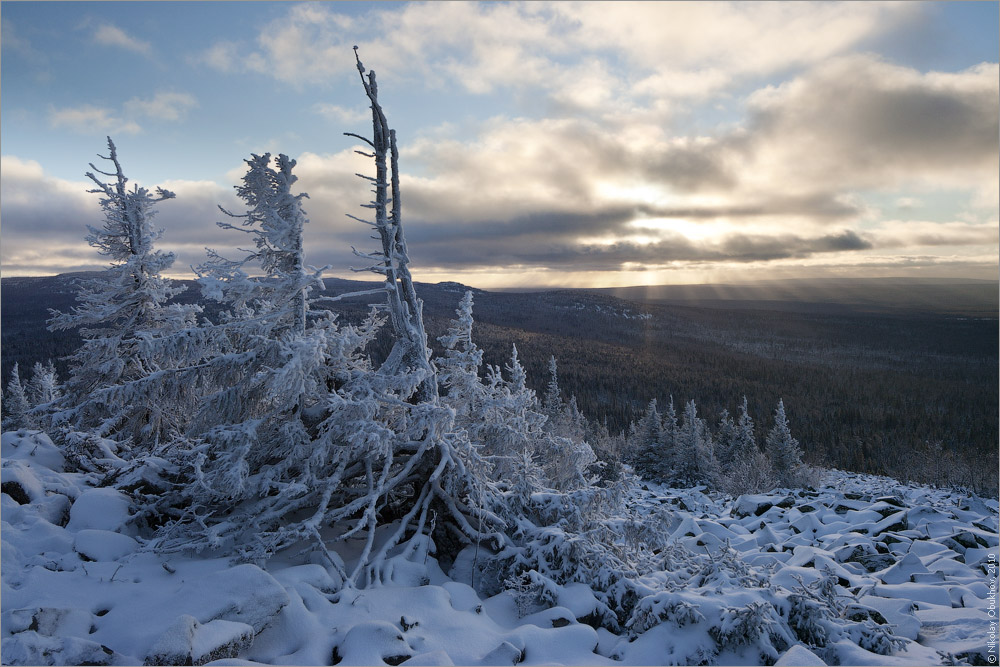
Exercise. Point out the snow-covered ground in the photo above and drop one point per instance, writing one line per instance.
(79, 586)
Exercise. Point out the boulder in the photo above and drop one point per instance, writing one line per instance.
(242, 594)
(48, 621)
(188, 642)
(751, 505)
(32, 648)
(904, 570)
(373, 643)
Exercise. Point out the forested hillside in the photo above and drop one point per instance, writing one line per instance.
(873, 388)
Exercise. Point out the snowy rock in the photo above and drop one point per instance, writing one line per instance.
(890, 500)
(244, 594)
(810, 525)
(188, 642)
(54, 508)
(975, 557)
(892, 522)
(751, 505)
(903, 570)
(373, 643)
(430, 659)
(799, 656)
(31, 446)
(32, 648)
(505, 654)
(103, 545)
(100, 509)
(48, 621)
(19, 482)
(899, 613)
(920, 593)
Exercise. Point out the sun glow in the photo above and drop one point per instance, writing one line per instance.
(694, 231)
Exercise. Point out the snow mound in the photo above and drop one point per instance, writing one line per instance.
(99, 509)
(34, 447)
(103, 545)
(188, 642)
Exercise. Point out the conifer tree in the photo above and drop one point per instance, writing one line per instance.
(458, 368)
(118, 311)
(648, 444)
(695, 461)
(725, 440)
(15, 403)
(43, 388)
(553, 402)
(783, 450)
(747, 469)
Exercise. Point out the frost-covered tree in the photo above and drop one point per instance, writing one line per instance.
(43, 388)
(118, 311)
(302, 431)
(458, 368)
(264, 372)
(275, 221)
(647, 444)
(695, 461)
(410, 352)
(783, 450)
(746, 468)
(15, 403)
(553, 401)
(725, 439)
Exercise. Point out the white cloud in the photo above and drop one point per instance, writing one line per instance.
(860, 123)
(163, 106)
(91, 119)
(684, 49)
(111, 35)
(342, 115)
(223, 56)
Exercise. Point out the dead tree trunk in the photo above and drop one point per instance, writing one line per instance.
(410, 350)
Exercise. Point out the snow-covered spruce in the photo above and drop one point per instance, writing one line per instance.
(118, 311)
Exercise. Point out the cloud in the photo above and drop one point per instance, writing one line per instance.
(919, 233)
(111, 35)
(87, 119)
(560, 254)
(170, 106)
(223, 56)
(686, 49)
(90, 119)
(37, 205)
(859, 122)
(342, 115)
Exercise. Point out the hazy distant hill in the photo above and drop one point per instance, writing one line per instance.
(888, 295)
(870, 370)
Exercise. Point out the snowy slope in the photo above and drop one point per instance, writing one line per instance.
(80, 586)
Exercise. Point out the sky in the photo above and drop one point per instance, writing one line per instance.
(541, 144)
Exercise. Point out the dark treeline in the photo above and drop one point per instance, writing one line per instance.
(910, 395)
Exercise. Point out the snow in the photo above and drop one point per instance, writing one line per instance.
(103, 545)
(799, 656)
(36, 447)
(99, 509)
(188, 642)
(79, 585)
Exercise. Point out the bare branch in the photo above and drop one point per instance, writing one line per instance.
(358, 136)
